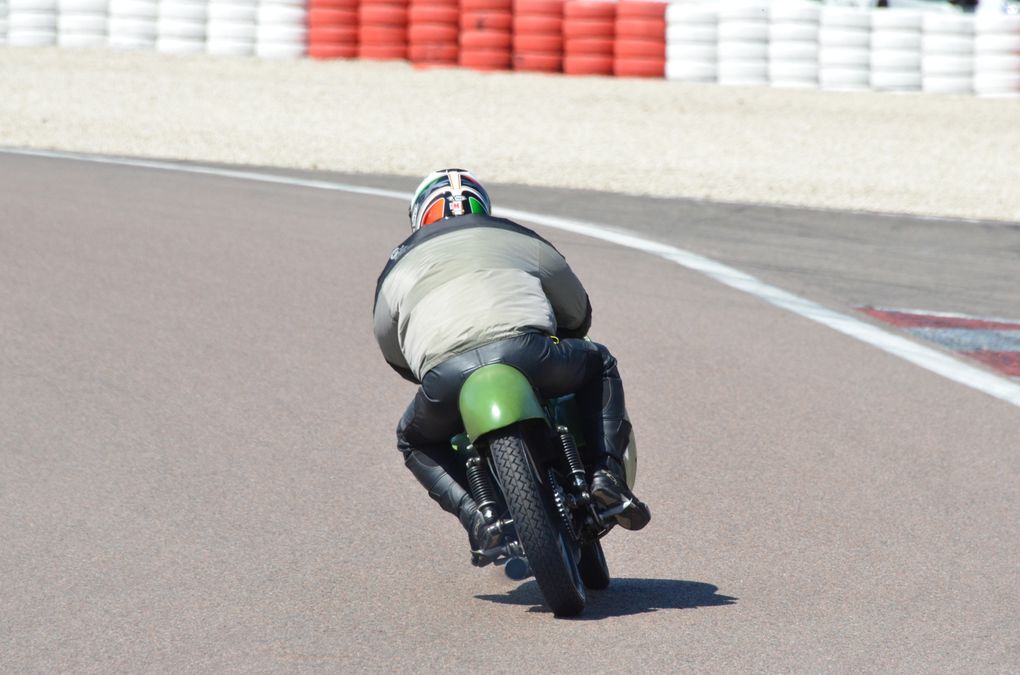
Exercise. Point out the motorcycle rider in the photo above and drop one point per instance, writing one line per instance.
(466, 290)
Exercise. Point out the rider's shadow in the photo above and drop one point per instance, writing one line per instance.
(625, 596)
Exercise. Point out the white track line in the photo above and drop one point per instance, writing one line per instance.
(918, 354)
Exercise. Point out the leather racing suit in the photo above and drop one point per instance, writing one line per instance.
(474, 290)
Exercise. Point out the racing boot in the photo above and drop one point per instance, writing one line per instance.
(484, 534)
(609, 489)
(483, 529)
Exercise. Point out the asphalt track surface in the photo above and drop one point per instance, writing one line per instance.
(197, 468)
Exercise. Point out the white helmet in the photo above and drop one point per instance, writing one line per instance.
(445, 194)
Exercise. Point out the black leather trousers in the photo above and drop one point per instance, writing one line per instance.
(584, 368)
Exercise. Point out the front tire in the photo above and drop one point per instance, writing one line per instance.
(549, 550)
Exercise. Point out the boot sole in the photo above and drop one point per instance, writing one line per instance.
(634, 517)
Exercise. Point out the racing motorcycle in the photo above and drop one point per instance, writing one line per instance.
(525, 471)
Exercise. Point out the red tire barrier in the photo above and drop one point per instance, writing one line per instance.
(486, 21)
(447, 15)
(382, 29)
(640, 49)
(382, 52)
(333, 36)
(332, 51)
(588, 46)
(332, 29)
(382, 35)
(587, 64)
(485, 39)
(328, 16)
(589, 9)
(350, 5)
(639, 9)
(433, 53)
(642, 29)
(486, 5)
(538, 35)
(382, 15)
(542, 44)
(588, 28)
(538, 8)
(637, 67)
(543, 24)
(538, 63)
(433, 32)
(485, 59)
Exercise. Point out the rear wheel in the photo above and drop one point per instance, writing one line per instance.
(548, 549)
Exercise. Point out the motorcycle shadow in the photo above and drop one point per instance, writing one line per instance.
(624, 596)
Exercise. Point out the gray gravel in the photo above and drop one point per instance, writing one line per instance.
(919, 154)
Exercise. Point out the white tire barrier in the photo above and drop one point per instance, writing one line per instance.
(281, 29)
(895, 50)
(82, 23)
(996, 47)
(30, 23)
(235, 11)
(947, 53)
(181, 26)
(132, 24)
(692, 49)
(793, 44)
(231, 28)
(844, 39)
(45, 6)
(743, 44)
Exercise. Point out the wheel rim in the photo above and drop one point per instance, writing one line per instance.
(570, 561)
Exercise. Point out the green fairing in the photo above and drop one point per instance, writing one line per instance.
(494, 397)
(475, 205)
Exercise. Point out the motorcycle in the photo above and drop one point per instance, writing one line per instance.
(525, 472)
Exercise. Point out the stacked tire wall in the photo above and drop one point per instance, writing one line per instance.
(81, 23)
(332, 29)
(639, 45)
(588, 31)
(896, 51)
(781, 43)
(538, 35)
(692, 37)
(486, 34)
(997, 55)
(31, 23)
(382, 30)
(433, 32)
(947, 54)
(793, 45)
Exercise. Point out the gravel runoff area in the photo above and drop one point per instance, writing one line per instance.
(920, 154)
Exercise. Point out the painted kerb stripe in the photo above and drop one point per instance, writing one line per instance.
(918, 354)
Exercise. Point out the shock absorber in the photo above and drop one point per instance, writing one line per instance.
(573, 458)
(481, 486)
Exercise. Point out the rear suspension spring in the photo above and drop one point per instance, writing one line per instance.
(481, 485)
(572, 454)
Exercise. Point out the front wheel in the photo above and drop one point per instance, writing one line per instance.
(547, 547)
